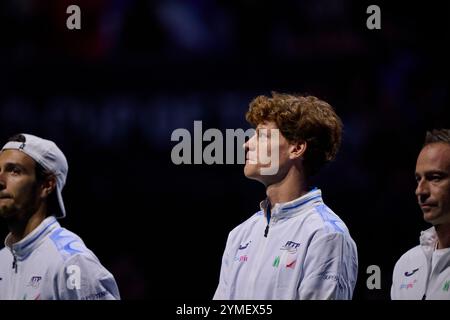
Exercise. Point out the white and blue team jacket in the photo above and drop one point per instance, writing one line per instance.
(52, 263)
(422, 272)
(301, 250)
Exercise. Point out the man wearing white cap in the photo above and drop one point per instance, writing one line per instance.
(41, 260)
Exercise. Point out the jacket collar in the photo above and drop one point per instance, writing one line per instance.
(428, 238)
(23, 248)
(294, 207)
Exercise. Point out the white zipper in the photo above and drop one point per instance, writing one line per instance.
(261, 250)
(14, 276)
(431, 274)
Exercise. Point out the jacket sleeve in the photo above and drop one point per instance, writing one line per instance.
(223, 289)
(330, 268)
(84, 278)
(394, 285)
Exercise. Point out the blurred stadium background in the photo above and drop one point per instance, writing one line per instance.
(111, 94)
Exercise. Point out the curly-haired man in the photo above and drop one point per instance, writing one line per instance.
(295, 247)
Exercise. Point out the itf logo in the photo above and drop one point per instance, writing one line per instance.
(35, 282)
(290, 246)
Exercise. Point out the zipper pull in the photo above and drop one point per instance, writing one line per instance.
(14, 264)
(269, 215)
(266, 231)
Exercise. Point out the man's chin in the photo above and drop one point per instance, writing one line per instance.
(251, 175)
(252, 172)
(432, 217)
(6, 212)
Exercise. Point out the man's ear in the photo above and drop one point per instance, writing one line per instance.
(48, 185)
(297, 150)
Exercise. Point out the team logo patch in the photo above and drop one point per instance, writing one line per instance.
(290, 247)
(35, 282)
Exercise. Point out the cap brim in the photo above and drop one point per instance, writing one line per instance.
(62, 210)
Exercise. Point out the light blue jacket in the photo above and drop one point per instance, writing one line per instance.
(52, 263)
(304, 252)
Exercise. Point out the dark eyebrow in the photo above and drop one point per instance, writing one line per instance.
(436, 172)
(432, 172)
(10, 165)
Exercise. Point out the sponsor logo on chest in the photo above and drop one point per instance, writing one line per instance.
(291, 247)
(35, 282)
(408, 284)
(242, 258)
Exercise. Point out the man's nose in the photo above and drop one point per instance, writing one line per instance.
(2, 182)
(249, 144)
(422, 190)
(245, 146)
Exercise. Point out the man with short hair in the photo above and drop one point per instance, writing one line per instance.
(41, 260)
(295, 247)
(424, 271)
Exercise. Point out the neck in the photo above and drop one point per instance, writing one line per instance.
(443, 234)
(291, 187)
(20, 228)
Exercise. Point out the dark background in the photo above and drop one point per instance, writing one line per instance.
(111, 94)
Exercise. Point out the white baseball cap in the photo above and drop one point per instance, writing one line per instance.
(50, 157)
